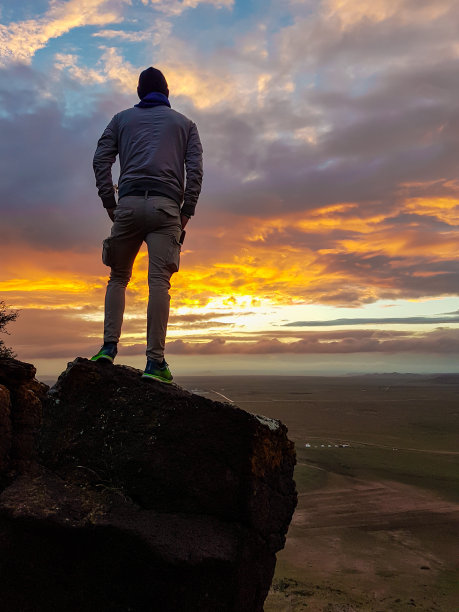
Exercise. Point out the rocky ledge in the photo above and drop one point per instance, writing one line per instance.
(143, 497)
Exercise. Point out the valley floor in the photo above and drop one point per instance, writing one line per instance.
(377, 522)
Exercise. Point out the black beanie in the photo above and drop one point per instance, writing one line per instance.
(150, 80)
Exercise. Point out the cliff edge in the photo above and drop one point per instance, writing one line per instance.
(143, 497)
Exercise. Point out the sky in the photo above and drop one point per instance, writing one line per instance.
(326, 236)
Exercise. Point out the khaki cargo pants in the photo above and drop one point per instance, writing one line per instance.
(155, 220)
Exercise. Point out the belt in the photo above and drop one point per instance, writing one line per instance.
(142, 192)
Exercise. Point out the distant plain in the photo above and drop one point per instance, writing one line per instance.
(377, 522)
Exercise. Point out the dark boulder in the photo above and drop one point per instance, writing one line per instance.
(147, 498)
(5, 429)
(21, 397)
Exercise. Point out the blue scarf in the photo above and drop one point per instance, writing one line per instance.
(154, 98)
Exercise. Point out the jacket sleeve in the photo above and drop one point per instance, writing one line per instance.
(104, 158)
(193, 167)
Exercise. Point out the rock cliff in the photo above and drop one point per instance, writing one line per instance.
(145, 497)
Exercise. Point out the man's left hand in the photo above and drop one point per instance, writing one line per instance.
(111, 213)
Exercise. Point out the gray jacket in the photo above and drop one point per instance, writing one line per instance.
(155, 146)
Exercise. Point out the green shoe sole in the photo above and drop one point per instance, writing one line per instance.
(163, 380)
(105, 357)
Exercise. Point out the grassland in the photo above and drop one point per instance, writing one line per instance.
(377, 522)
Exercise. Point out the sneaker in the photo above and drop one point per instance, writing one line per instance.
(159, 371)
(108, 351)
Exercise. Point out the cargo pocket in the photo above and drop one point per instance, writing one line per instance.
(173, 255)
(107, 251)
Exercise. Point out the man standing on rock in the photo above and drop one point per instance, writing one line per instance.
(155, 145)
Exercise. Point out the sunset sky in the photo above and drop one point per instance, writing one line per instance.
(326, 236)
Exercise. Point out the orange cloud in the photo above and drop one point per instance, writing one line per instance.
(315, 256)
(36, 278)
(445, 209)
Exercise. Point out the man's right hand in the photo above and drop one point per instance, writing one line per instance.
(111, 213)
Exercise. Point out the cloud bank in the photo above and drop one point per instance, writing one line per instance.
(329, 130)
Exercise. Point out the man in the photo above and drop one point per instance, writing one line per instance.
(155, 145)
